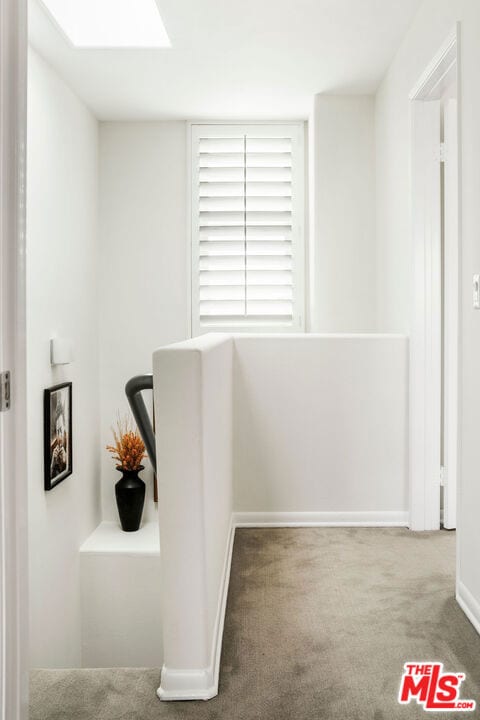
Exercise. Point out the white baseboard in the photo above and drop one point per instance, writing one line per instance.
(469, 605)
(187, 684)
(387, 518)
(202, 684)
(222, 607)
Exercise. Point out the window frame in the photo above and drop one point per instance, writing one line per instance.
(296, 131)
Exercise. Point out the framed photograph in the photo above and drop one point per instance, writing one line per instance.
(57, 408)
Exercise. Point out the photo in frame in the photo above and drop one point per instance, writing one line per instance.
(57, 409)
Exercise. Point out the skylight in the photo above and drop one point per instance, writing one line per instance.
(109, 23)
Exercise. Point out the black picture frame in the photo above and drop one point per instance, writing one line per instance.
(57, 434)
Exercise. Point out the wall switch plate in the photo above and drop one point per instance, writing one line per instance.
(60, 351)
(476, 292)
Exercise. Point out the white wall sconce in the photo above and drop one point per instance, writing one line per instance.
(60, 351)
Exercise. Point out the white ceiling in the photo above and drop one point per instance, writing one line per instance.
(244, 59)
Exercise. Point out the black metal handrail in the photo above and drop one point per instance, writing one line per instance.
(133, 390)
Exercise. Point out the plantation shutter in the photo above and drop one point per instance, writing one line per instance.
(247, 213)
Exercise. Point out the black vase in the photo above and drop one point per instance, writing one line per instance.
(130, 495)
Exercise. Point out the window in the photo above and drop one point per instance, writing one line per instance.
(109, 23)
(247, 227)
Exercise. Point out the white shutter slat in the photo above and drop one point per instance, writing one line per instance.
(233, 247)
(221, 145)
(268, 145)
(267, 308)
(253, 233)
(266, 204)
(226, 277)
(255, 292)
(269, 218)
(217, 308)
(218, 262)
(221, 189)
(269, 189)
(221, 174)
(269, 160)
(269, 174)
(270, 292)
(269, 233)
(221, 247)
(239, 203)
(262, 308)
(221, 160)
(222, 219)
(222, 292)
(221, 233)
(225, 174)
(269, 262)
(214, 204)
(270, 277)
(237, 277)
(249, 262)
(269, 247)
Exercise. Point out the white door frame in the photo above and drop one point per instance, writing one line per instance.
(13, 476)
(425, 339)
(451, 314)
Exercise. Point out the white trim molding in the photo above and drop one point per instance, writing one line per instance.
(426, 324)
(387, 518)
(469, 605)
(437, 69)
(13, 475)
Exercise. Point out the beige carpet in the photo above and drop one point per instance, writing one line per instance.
(319, 623)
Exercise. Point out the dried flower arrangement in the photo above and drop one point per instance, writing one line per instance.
(128, 449)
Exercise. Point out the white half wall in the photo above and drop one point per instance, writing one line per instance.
(320, 426)
(143, 267)
(281, 429)
(193, 412)
(342, 246)
(433, 23)
(62, 300)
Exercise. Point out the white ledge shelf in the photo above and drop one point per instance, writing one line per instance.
(121, 597)
(109, 539)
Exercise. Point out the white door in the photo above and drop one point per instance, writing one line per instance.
(451, 314)
(13, 555)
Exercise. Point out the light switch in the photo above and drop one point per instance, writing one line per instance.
(60, 351)
(476, 292)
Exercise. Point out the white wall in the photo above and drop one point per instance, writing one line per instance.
(342, 277)
(62, 299)
(392, 134)
(434, 21)
(143, 265)
(320, 424)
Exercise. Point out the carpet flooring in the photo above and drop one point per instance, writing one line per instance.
(319, 624)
